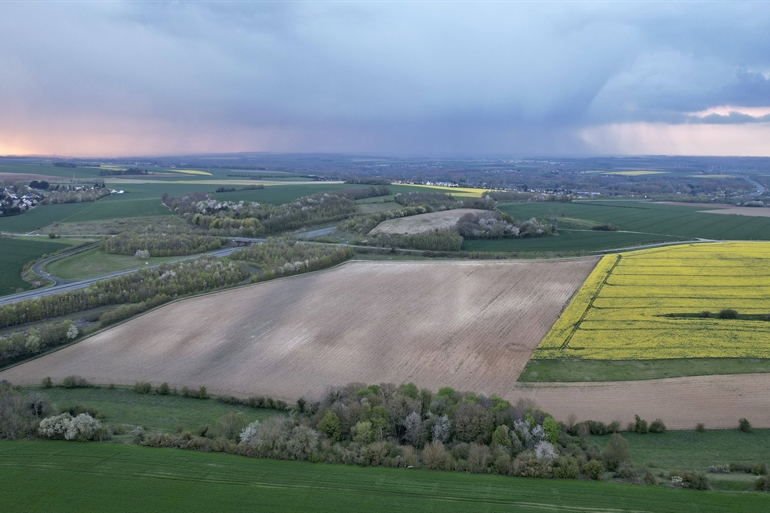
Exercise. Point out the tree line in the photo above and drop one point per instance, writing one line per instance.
(435, 240)
(169, 280)
(277, 257)
(251, 219)
(160, 244)
(76, 194)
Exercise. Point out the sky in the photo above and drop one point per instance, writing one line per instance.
(430, 78)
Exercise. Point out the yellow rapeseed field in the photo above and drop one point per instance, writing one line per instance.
(624, 309)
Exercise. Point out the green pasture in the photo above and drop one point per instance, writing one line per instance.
(650, 218)
(57, 174)
(96, 262)
(14, 253)
(691, 450)
(165, 413)
(68, 476)
(630, 370)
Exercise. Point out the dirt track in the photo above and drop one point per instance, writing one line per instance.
(717, 401)
(469, 325)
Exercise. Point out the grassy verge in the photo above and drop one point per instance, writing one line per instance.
(106, 477)
(164, 413)
(14, 253)
(633, 370)
(96, 262)
(692, 450)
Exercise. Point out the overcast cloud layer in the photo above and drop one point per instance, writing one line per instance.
(426, 78)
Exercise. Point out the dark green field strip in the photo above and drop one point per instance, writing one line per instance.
(66, 476)
(681, 221)
(567, 241)
(57, 174)
(634, 370)
(693, 450)
(279, 194)
(14, 253)
(40, 217)
(157, 412)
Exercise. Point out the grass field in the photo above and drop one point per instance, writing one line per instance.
(647, 304)
(14, 253)
(568, 242)
(691, 450)
(631, 370)
(651, 218)
(638, 223)
(101, 477)
(96, 262)
(156, 412)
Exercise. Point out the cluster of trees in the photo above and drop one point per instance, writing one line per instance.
(119, 172)
(496, 225)
(527, 196)
(407, 427)
(160, 244)
(368, 180)
(41, 185)
(443, 201)
(76, 194)
(159, 283)
(278, 257)
(435, 240)
(23, 344)
(252, 219)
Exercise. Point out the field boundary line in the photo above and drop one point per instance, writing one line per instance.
(590, 304)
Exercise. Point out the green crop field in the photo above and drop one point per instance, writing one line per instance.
(691, 450)
(567, 241)
(14, 253)
(651, 218)
(67, 476)
(121, 405)
(638, 223)
(57, 174)
(279, 194)
(96, 262)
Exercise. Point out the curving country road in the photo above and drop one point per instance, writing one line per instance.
(66, 286)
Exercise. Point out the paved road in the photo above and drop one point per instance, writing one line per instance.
(66, 286)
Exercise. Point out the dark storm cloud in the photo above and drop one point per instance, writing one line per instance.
(422, 77)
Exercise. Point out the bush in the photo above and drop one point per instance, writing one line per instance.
(594, 469)
(202, 393)
(705, 314)
(66, 427)
(47, 383)
(142, 387)
(762, 484)
(565, 467)
(760, 469)
(626, 471)
(75, 382)
(693, 480)
(700, 427)
(744, 425)
(163, 389)
(435, 456)
(640, 426)
(616, 452)
(657, 426)
(728, 313)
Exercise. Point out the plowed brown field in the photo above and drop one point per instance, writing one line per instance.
(469, 325)
(717, 401)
